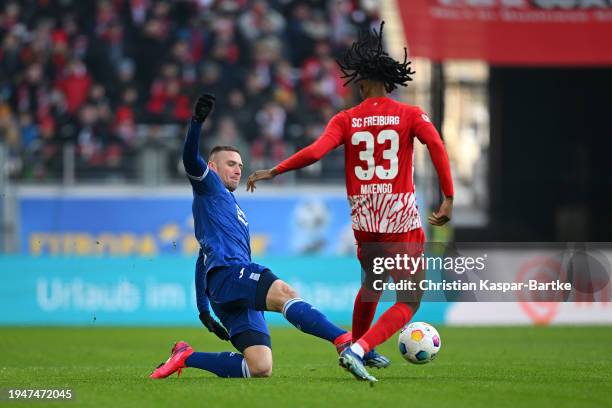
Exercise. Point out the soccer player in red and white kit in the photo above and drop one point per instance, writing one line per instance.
(378, 137)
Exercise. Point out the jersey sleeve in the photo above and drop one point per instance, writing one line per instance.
(207, 183)
(202, 300)
(332, 137)
(202, 179)
(427, 134)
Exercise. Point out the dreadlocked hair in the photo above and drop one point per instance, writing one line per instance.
(366, 59)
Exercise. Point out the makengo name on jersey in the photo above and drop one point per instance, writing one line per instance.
(375, 121)
(386, 188)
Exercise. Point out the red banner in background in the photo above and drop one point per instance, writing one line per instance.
(510, 32)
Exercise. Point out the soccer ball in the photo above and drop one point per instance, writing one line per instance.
(419, 342)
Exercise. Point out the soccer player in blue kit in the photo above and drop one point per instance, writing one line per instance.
(237, 289)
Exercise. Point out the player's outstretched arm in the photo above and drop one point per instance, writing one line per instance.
(329, 140)
(431, 138)
(193, 162)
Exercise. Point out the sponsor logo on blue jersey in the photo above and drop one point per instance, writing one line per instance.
(241, 216)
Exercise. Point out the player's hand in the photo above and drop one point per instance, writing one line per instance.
(203, 106)
(444, 214)
(214, 326)
(259, 175)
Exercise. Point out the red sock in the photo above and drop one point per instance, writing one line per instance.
(343, 338)
(390, 322)
(364, 311)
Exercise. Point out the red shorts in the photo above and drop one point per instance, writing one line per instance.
(372, 245)
(415, 236)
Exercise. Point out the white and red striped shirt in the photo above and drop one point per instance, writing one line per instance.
(378, 136)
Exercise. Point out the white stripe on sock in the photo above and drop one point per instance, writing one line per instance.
(357, 349)
(289, 303)
(245, 369)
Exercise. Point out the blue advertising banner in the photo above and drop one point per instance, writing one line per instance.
(145, 226)
(151, 224)
(159, 290)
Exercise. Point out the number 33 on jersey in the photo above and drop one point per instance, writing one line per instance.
(378, 137)
(379, 165)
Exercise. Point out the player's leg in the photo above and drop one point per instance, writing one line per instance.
(363, 315)
(249, 335)
(365, 304)
(224, 364)
(397, 315)
(255, 359)
(364, 310)
(366, 300)
(259, 361)
(255, 287)
(282, 298)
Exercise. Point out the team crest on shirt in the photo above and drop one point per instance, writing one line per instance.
(241, 216)
(425, 117)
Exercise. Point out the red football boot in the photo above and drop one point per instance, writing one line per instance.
(176, 362)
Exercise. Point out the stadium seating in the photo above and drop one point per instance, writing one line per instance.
(104, 88)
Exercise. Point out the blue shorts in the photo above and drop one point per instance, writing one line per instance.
(237, 295)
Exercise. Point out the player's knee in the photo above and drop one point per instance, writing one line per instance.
(289, 292)
(260, 369)
(279, 293)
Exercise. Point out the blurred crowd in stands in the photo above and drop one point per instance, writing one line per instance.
(112, 78)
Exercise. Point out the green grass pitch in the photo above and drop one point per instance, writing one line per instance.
(477, 367)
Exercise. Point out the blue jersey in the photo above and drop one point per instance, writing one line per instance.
(221, 227)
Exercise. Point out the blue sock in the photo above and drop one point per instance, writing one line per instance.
(309, 320)
(230, 365)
